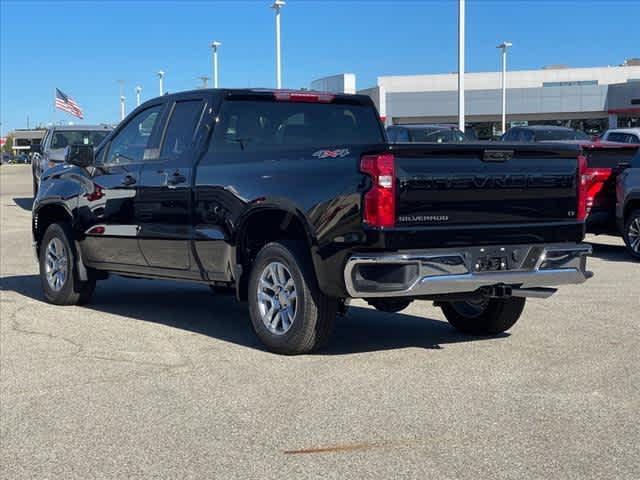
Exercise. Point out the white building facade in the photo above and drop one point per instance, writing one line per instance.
(590, 99)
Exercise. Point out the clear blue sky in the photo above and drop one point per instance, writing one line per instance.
(83, 47)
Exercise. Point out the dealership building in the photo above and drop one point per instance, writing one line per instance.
(590, 99)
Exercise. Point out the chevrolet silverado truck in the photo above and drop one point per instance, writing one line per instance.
(295, 201)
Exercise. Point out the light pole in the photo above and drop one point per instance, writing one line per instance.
(461, 65)
(161, 81)
(504, 46)
(204, 80)
(138, 92)
(214, 60)
(277, 6)
(122, 99)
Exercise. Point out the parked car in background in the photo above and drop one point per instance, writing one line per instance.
(628, 204)
(295, 201)
(23, 158)
(421, 133)
(622, 135)
(543, 133)
(51, 150)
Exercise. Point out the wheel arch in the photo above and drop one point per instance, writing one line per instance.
(45, 215)
(633, 203)
(263, 225)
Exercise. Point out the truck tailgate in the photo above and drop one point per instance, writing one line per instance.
(490, 184)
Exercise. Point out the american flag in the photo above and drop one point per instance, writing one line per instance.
(68, 104)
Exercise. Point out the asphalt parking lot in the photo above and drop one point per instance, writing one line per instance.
(165, 380)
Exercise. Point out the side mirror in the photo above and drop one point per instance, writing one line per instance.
(79, 154)
(36, 148)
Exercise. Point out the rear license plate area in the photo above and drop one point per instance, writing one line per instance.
(490, 263)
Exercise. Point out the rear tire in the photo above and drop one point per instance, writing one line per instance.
(58, 272)
(289, 313)
(490, 317)
(631, 234)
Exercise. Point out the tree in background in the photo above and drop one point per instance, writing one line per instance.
(8, 146)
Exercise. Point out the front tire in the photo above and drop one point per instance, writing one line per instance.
(58, 275)
(289, 313)
(486, 317)
(631, 234)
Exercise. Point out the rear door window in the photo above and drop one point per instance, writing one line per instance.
(181, 128)
(254, 126)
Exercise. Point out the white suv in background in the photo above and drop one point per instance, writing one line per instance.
(622, 135)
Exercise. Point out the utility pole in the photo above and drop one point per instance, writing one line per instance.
(138, 92)
(504, 46)
(204, 80)
(214, 60)
(461, 21)
(277, 6)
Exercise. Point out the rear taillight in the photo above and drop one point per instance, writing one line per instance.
(583, 185)
(379, 208)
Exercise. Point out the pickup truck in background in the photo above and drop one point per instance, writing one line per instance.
(51, 150)
(295, 201)
(606, 161)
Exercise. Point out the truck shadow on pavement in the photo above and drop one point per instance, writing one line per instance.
(611, 253)
(195, 309)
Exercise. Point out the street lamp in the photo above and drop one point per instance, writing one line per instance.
(504, 46)
(277, 6)
(214, 59)
(161, 80)
(138, 92)
(122, 99)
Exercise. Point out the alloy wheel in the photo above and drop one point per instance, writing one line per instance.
(633, 234)
(56, 264)
(277, 298)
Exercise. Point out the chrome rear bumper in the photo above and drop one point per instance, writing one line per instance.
(459, 270)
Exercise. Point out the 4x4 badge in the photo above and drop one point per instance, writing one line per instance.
(341, 152)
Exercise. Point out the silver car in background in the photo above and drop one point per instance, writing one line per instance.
(51, 150)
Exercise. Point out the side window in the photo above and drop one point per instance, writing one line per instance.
(130, 143)
(181, 128)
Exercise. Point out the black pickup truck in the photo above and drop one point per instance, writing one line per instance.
(295, 201)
